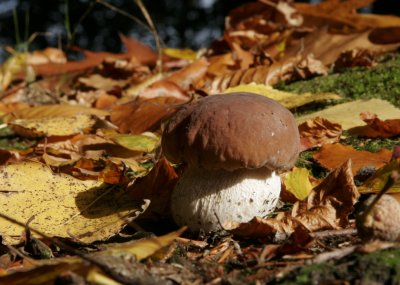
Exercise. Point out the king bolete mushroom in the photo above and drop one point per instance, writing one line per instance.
(234, 146)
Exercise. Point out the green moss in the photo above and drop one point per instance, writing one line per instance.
(381, 81)
(370, 144)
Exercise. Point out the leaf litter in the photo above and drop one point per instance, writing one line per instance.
(94, 174)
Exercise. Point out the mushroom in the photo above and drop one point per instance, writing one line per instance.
(234, 146)
(382, 221)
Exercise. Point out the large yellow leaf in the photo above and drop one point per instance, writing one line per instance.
(61, 205)
(348, 114)
(289, 100)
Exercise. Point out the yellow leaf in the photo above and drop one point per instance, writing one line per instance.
(348, 114)
(55, 126)
(376, 182)
(288, 100)
(142, 143)
(185, 53)
(61, 205)
(297, 182)
(144, 248)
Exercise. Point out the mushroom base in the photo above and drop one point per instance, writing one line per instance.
(208, 199)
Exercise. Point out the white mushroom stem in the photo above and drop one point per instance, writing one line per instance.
(207, 199)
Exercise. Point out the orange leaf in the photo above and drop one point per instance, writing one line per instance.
(142, 115)
(331, 156)
(376, 127)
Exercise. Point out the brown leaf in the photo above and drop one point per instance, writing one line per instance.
(335, 196)
(141, 52)
(342, 15)
(331, 156)
(285, 70)
(141, 115)
(156, 186)
(317, 132)
(327, 46)
(376, 127)
(164, 88)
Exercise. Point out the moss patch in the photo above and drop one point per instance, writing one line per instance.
(381, 81)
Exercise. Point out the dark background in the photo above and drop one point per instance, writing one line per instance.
(192, 23)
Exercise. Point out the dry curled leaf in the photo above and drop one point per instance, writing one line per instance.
(376, 127)
(331, 156)
(317, 132)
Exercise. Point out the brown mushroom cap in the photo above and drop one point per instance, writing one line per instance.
(232, 131)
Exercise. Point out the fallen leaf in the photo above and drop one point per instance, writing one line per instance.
(61, 205)
(346, 114)
(282, 70)
(97, 81)
(287, 99)
(55, 126)
(376, 182)
(141, 143)
(337, 192)
(318, 132)
(46, 271)
(185, 53)
(50, 111)
(141, 115)
(298, 183)
(157, 187)
(376, 127)
(144, 248)
(327, 46)
(331, 156)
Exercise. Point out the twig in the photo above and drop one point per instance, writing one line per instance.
(153, 30)
(333, 233)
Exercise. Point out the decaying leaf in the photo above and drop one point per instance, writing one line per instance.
(55, 126)
(346, 114)
(60, 205)
(376, 127)
(327, 207)
(298, 183)
(317, 132)
(376, 182)
(331, 156)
